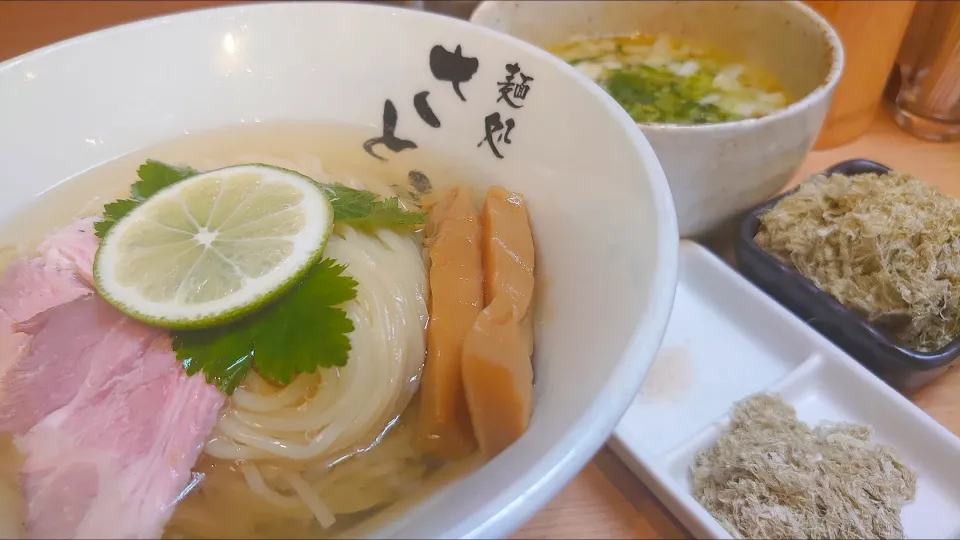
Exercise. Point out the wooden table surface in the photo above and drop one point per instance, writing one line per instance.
(605, 500)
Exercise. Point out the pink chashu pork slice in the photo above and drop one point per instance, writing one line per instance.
(62, 272)
(72, 248)
(112, 459)
(28, 288)
(64, 341)
(114, 462)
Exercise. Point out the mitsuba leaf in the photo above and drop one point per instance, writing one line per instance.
(302, 331)
(154, 176)
(365, 212)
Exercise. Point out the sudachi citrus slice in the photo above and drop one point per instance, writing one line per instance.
(214, 247)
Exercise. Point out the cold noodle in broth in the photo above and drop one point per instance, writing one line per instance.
(313, 409)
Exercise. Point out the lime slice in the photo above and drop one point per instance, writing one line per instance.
(214, 247)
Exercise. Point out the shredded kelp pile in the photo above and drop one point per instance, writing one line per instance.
(886, 245)
(772, 476)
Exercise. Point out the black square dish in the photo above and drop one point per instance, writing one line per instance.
(902, 368)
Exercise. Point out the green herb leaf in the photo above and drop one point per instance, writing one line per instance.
(302, 331)
(363, 211)
(225, 355)
(154, 176)
(111, 213)
(654, 94)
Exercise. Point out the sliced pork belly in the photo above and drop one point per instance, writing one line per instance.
(62, 272)
(110, 424)
(32, 286)
(12, 343)
(114, 461)
(66, 340)
(29, 287)
(72, 249)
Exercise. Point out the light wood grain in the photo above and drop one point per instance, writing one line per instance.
(605, 500)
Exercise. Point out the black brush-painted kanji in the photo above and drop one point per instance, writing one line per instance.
(453, 67)
(510, 90)
(493, 126)
(388, 139)
(424, 110)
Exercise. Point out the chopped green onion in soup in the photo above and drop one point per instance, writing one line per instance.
(666, 80)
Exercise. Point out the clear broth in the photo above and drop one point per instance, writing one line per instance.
(339, 149)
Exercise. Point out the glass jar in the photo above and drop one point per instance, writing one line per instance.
(923, 92)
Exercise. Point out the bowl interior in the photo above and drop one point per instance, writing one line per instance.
(781, 37)
(601, 211)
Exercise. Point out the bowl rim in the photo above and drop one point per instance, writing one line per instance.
(821, 92)
(526, 494)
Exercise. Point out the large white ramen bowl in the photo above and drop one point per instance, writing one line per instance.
(601, 209)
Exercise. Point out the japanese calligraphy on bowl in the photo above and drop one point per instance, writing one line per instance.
(457, 69)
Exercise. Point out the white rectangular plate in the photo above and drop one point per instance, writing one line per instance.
(727, 340)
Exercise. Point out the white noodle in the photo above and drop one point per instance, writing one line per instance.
(311, 499)
(256, 483)
(255, 399)
(370, 390)
(290, 437)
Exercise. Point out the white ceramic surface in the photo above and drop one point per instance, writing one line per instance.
(727, 340)
(716, 170)
(600, 205)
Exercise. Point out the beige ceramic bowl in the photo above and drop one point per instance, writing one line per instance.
(715, 171)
